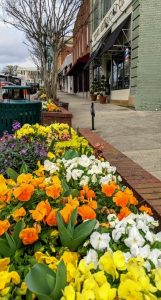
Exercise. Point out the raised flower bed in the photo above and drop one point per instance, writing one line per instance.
(71, 229)
(61, 116)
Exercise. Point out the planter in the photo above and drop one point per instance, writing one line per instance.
(102, 99)
(62, 104)
(93, 97)
(63, 116)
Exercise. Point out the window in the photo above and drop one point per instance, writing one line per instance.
(121, 70)
(95, 15)
(106, 6)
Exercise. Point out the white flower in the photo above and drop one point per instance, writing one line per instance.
(95, 170)
(94, 178)
(155, 257)
(76, 174)
(68, 176)
(113, 220)
(100, 241)
(91, 257)
(117, 233)
(150, 237)
(127, 256)
(158, 236)
(144, 252)
(119, 178)
(84, 180)
(84, 161)
(50, 166)
(106, 179)
(135, 239)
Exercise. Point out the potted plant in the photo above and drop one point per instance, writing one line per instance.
(102, 88)
(94, 89)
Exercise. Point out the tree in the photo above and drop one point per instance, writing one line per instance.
(46, 23)
(10, 70)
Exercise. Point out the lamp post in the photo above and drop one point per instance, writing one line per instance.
(93, 115)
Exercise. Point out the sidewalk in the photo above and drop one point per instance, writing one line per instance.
(136, 134)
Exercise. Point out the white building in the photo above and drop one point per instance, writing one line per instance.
(67, 81)
(28, 74)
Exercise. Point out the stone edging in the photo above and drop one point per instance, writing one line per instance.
(145, 186)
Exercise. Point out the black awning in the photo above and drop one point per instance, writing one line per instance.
(92, 57)
(111, 39)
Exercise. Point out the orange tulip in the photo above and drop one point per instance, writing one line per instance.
(86, 212)
(66, 212)
(24, 192)
(4, 225)
(124, 212)
(18, 213)
(29, 236)
(51, 218)
(109, 188)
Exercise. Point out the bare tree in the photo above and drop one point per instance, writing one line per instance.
(10, 70)
(45, 23)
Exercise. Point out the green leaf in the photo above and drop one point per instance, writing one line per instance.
(12, 174)
(5, 250)
(70, 154)
(65, 187)
(61, 281)
(71, 192)
(65, 234)
(11, 242)
(72, 221)
(19, 226)
(41, 281)
(24, 168)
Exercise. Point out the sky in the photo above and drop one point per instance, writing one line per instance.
(13, 51)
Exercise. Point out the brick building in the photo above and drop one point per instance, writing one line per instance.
(81, 50)
(126, 49)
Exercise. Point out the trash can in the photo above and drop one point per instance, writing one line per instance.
(23, 111)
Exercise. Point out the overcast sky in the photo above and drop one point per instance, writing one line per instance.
(13, 51)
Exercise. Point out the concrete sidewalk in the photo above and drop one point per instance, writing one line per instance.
(136, 134)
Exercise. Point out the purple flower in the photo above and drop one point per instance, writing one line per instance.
(16, 125)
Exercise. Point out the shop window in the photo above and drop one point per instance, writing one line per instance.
(121, 70)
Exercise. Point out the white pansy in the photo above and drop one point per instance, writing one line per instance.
(91, 257)
(158, 236)
(84, 161)
(113, 220)
(94, 178)
(68, 176)
(119, 178)
(112, 170)
(95, 170)
(127, 256)
(50, 166)
(84, 180)
(100, 241)
(150, 237)
(144, 252)
(135, 238)
(76, 174)
(117, 234)
(155, 257)
(106, 179)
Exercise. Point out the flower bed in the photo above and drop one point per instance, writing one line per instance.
(71, 230)
(61, 116)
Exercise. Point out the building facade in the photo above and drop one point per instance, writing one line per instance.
(126, 50)
(28, 75)
(81, 50)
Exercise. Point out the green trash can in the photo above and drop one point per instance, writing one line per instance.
(23, 111)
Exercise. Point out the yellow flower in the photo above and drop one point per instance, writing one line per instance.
(71, 272)
(24, 178)
(50, 155)
(157, 278)
(88, 295)
(4, 292)
(100, 277)
(70, 257)
(4, 262)
(15, 277)
(106, 263)
(68, 293)
(119, 261)
(23, 289)
(106, 292)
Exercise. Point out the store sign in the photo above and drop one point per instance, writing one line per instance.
(112, 15)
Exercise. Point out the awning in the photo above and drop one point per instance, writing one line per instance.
(79, 65)
(110, 40)
(106, 43)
